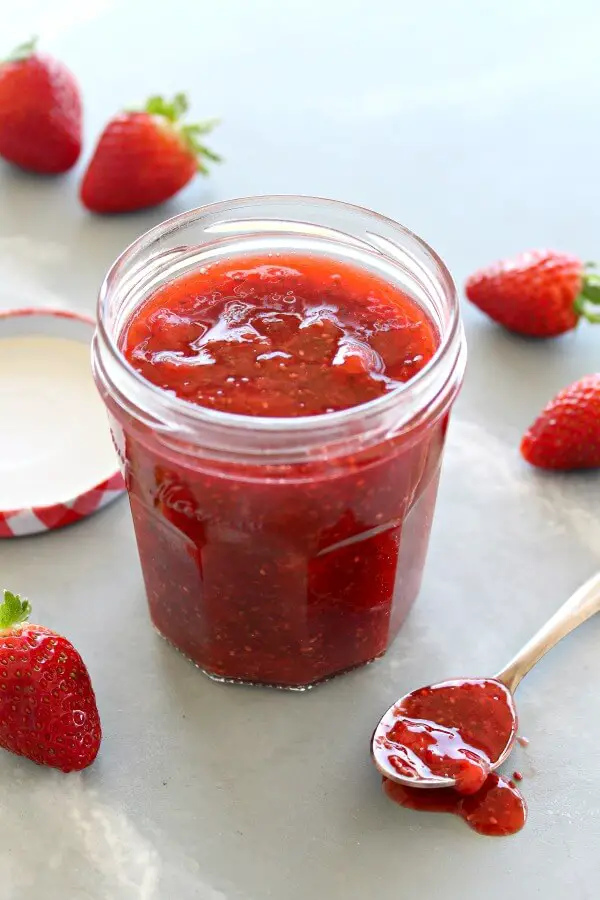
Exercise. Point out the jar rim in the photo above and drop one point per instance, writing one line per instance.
(451, 342)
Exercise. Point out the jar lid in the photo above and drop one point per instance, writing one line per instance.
(57, 461)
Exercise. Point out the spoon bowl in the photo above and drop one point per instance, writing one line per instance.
(396, 761)
(399, 764)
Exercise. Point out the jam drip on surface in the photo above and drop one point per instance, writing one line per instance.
(497, 809)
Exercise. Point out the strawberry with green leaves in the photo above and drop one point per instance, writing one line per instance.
(144, 158)
(566, 434)
(40, 112)
(539, 294)
(48, 710)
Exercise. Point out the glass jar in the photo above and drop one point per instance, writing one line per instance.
(280, 551)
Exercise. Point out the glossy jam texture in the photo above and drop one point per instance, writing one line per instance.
(497, 809)
(294, 337)
(455, 729)
(280, 574)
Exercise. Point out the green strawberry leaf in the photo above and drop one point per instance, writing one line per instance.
(589, 298)
(13, 610)
(23, 51)
(191, 133)
(173, 111)
(591, 287)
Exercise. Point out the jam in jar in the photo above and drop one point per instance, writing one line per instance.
(279, 374)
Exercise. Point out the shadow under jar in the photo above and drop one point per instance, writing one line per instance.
(282, 514)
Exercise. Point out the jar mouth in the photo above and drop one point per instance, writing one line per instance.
(249, 215)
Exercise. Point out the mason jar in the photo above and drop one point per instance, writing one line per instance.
(280, 550)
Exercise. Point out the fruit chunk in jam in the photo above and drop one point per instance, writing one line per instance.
(281, 574)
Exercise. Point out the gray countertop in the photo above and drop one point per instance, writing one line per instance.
(475, 125)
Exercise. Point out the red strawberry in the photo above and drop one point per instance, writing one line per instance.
(40, 112)
(143, 158)
(47, 705)
(539, 294)
(566, 435)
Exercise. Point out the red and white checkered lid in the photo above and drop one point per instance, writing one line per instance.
(57, 460)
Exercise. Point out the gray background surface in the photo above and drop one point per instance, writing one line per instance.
(476, 125)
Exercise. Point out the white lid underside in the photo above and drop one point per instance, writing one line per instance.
(54, 438)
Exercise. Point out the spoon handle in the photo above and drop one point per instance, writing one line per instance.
(585, 602)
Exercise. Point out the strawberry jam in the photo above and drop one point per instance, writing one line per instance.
(497, 809)
(291, 339)
(276, 572)
(456, 729)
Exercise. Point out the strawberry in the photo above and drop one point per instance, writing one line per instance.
(539, 294)
(566, 435)
(40, 112)
(143, 158)
(47, 705)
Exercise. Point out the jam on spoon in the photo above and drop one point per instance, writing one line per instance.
(456, 729)
(449, 737)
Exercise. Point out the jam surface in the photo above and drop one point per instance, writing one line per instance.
(294, 337)
(455, 729)
(497, 809)
(283, 574)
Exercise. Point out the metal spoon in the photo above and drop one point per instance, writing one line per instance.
(583, 604)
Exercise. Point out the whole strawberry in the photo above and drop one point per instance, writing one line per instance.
(144, 158)
(47, 705)
(40, 112)
(566, 435)
(538, 294)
